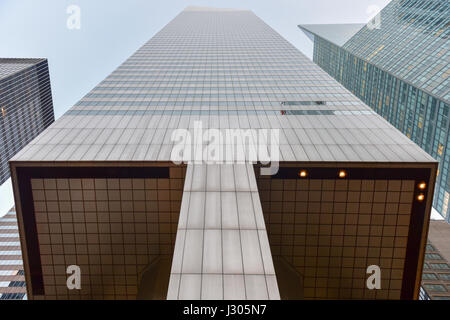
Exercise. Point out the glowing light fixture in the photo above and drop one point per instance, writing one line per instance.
(422, 185)
(421, 197)
(303, 173)
(342, 174)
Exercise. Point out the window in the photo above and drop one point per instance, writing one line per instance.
(440, 149)
(17, 284)
(10, 296)
(433, 256)
(444, 276)
(429, 276)
(435, 287)
(302, 103)
(443, 266)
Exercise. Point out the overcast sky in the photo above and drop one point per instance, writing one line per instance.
(111, 30)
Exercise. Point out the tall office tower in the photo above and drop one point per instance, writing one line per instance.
(12, 280)
(25, 103)
(98, 190)
(398, 64)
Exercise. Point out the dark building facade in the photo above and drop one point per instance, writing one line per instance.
(25, 104)
(400, 68)
(101, 190)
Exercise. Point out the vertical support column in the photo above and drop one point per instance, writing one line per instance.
(222, 249)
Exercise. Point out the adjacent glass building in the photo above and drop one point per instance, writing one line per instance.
(98, 189)
(399, 66)
(25, 104)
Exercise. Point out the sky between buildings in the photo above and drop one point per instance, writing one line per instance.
(112, 30)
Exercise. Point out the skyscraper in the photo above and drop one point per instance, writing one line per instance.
(100, 198)
(398, 65)
(12, 280)
(25, 103)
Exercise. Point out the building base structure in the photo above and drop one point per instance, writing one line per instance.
(207, 223)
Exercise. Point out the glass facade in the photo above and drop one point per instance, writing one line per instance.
(26, 106)
(401, 70)
(411, 43)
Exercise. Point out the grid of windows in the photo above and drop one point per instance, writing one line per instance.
(12, 281)
(331, 230)
(111, 228)
(26, 106)
(411, 42)
(401, 71)
(436, 275)
(421, 117)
